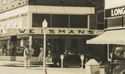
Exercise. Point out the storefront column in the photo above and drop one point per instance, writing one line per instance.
(22, 42)
(30, 41)
(108, 53)
(8, 47)
(88, 21)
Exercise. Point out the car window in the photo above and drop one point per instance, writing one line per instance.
(120, 53)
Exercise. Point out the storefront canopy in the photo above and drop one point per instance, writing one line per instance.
(109, 37)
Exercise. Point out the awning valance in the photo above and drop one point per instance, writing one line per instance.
(109, 37)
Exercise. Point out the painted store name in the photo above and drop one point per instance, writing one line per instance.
(48, 31)
(53, 31)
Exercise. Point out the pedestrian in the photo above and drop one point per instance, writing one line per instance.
(32, 51)
(27, 56)
(4, 50)
(40, 57)
(49, 57)
(0, 51)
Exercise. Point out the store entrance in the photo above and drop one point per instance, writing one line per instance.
(60, 44)
(70, 46)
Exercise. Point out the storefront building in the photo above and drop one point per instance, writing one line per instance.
(69, 25)
(114, 24)
(114, 35)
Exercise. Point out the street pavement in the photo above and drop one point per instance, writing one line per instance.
(37, 70)
(9, 67)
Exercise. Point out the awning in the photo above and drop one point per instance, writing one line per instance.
(109, 37)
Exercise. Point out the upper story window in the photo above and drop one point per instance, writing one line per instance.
(85, 3)
(38, 19)
(60, 20)
(78, 21)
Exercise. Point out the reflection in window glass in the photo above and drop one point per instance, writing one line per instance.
(59, 20)
(38, 19)
(78, 21)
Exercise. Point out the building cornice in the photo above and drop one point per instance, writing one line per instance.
(47, 10)
(61, 9)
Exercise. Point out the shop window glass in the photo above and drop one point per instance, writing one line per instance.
(78, 21)
(124, 21)
(38, 19)
(59, 20)
(114, 22)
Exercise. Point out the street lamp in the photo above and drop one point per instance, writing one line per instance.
(62, 57)
(44, 25)
(82, 58)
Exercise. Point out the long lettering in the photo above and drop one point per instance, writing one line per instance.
(112, 13)
(118, 11)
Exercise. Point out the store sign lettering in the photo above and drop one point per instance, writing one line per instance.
(51, 31)
(118, 11)
(22, 30)
(48, 31)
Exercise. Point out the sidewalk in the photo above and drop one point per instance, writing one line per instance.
(12, 67)
(7, 63)
(13, 64)
(37, 70)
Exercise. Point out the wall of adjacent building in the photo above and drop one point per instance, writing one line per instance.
(114, 3)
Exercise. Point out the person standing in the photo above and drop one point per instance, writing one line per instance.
(40, 57)
(27, 56)
(4, 50)
(49, 57)
(31, 51)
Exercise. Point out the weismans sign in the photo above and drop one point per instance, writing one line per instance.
(53, 31)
